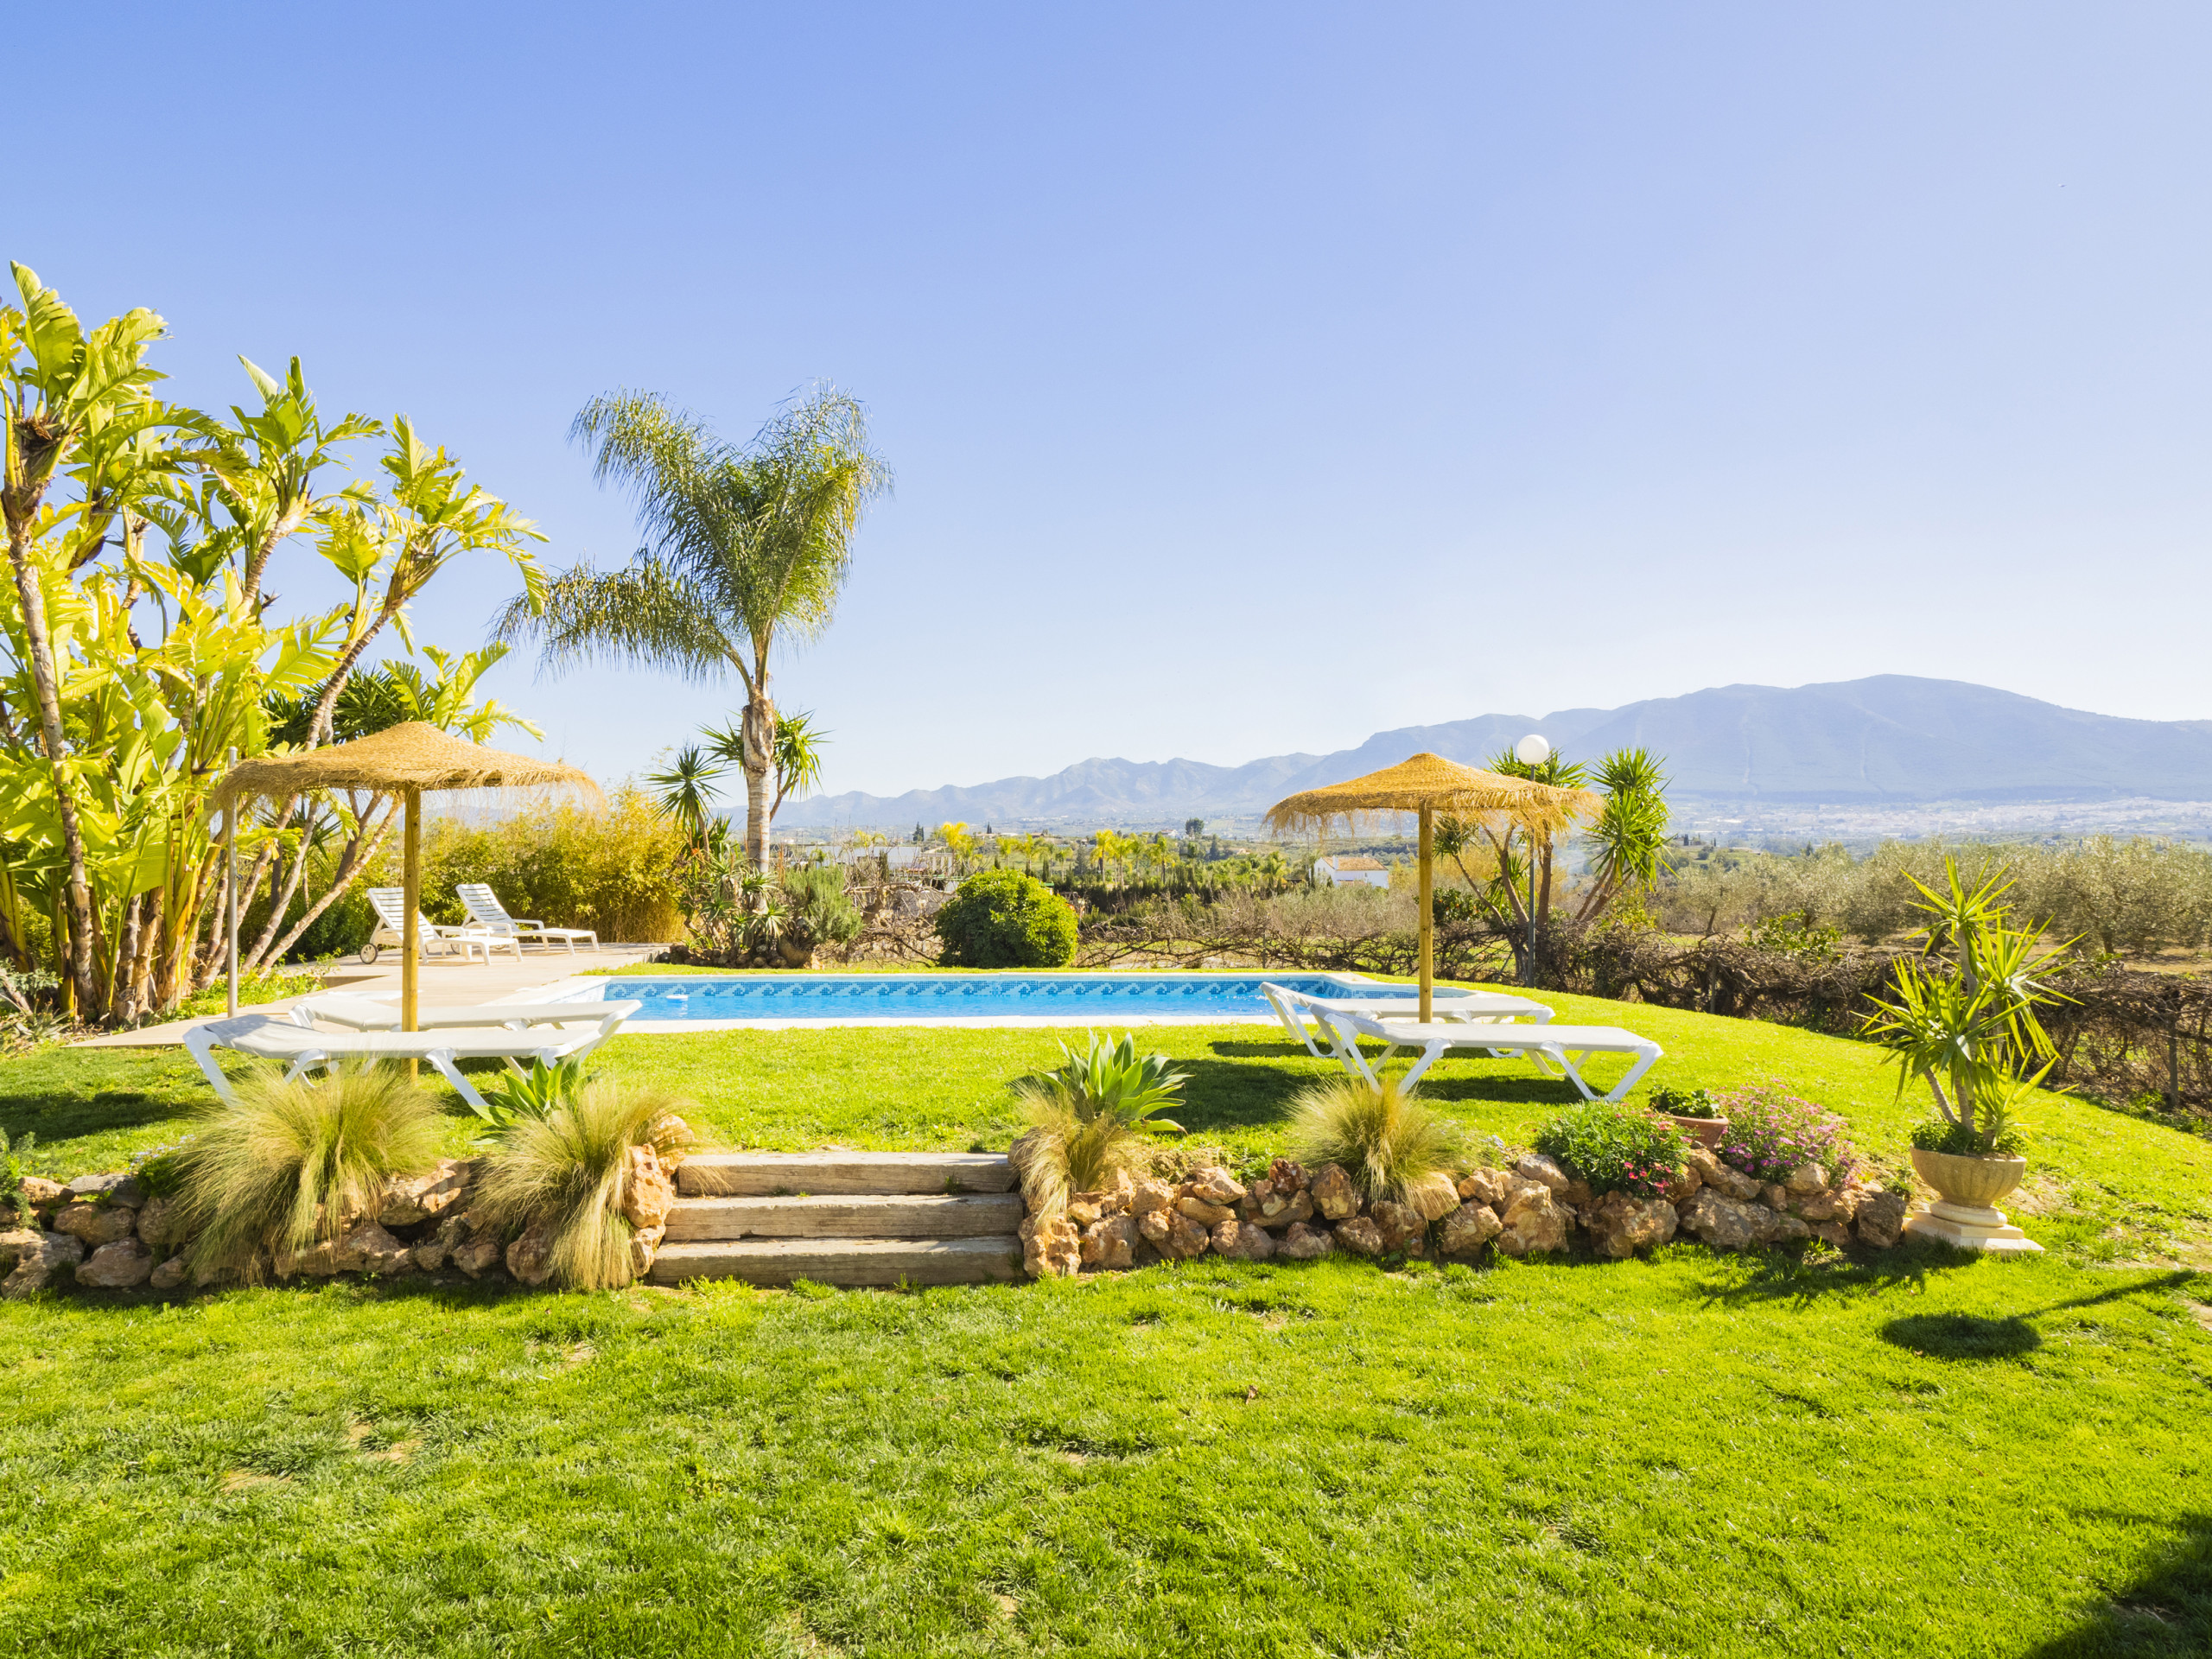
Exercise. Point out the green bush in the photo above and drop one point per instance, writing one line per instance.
(1616, 1149)
(820, 914)
(613, 872)
(1685, 1102)
(1002, 919)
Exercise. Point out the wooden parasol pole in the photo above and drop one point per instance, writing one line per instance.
(231, 892)
(410, 937)
(1428, 907)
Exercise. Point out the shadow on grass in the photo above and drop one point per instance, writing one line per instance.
(1783, 1274)
(1962, 1336)
(1222, 1094)
(2166, 1608)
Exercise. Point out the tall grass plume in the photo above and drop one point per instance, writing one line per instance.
(570, 1172)
(1384, 1137)
(294, 1162)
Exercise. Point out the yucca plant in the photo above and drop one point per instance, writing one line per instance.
(569, 1171)
(1381, 1135)
(1964, 1015)
(293, 1162)
(1091, 1115)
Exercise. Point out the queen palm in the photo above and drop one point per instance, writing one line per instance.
(747, 546)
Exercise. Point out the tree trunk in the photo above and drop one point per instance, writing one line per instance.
(759, 753)
(48, 686)
(352, 865)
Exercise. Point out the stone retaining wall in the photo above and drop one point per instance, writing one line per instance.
(1532, 1207)
(110, 1234)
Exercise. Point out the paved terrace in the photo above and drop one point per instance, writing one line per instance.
(446, 982)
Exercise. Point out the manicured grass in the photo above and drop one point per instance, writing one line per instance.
(1691, 1455)
(1914, 1452)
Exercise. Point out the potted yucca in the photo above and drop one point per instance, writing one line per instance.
(1965, 1022)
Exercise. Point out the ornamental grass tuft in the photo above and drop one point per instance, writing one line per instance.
(1383, 1135)
(569, 1171)
(293, 1162)
(1088, 1118)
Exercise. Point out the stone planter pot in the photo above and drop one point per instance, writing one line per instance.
(1965, 1212)
(1705, 1131)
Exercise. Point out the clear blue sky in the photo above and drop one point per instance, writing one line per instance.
(1256, 377)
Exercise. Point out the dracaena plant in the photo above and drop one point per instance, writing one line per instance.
(1964, 1019)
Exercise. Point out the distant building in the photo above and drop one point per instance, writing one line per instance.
(1350, 871)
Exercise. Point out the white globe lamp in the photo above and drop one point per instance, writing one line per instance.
(1532, 751)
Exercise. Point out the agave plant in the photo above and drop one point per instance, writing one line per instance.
(516, 1096)
(1089, 1116)
(1112, 1080)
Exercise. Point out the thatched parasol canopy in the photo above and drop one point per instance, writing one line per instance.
(1428, 785)
(404, 760)
(412, 756)
(1425, 782)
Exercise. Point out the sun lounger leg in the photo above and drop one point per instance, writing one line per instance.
(202, 1049)
(1644, 1061)
(1430, 1054)
(443, 1059)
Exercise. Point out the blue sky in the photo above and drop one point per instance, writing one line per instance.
(1255, 377)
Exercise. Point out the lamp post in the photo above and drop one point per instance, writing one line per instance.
(1531, 751)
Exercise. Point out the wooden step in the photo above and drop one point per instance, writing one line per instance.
(760, 1174)
(859, 1215)
(841, 1261)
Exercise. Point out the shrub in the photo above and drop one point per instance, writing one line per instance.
(1089, 1116)
(817, 911)
(1002, 919)
(1771, 1132)
(569, 1171)
(1685, 1102)
(1384, 1137)
(613, 872)
(294, 1162)
(1616, 1149)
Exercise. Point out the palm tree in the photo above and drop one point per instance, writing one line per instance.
(686, 792)
(745, 545)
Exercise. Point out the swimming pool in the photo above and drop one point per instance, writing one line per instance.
(694, 1003)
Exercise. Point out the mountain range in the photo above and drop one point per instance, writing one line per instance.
(1890, 739)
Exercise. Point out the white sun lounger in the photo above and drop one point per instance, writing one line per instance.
(370, 1013)
(1305, 1017)
(1566, 1048)
(487, 913)
(272, 1036)
(390, 906)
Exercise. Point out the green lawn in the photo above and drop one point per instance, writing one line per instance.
(1915, 1453)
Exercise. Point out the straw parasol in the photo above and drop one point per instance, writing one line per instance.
(406, 759)
(1428, 785)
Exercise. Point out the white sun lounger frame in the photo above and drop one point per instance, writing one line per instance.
(1305, 1016)
(1566, 1047)
(484, 906)
(277, 1037)
(391, 907)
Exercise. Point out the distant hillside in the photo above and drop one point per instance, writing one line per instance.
(1890, 739)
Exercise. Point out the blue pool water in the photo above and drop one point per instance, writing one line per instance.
(1070, 997)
